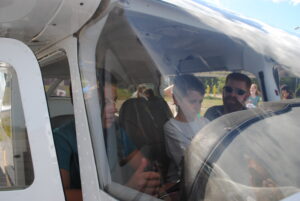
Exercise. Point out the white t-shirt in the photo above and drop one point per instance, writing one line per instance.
(178, 135)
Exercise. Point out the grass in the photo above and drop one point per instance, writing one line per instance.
(123, 94)
(5, 129)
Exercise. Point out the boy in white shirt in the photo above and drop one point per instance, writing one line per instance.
(188, 93)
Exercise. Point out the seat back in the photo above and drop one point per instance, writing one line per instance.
(60, 120)
(143, 121)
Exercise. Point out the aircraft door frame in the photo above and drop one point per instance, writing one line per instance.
(91, 189)
(46, 184)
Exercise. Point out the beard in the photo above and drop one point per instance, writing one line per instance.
(231, 104)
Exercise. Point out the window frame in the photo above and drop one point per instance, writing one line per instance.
(45, 186)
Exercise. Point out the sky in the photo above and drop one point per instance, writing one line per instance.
(283, 14)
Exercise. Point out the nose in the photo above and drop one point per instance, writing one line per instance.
(234, 94)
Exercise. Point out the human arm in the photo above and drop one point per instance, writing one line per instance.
(145, 181)
(65, 145)
(71, 194)
(261, 178)
(141, 179)
(134, 159)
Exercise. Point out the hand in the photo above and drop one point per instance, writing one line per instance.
(261, 178)
(275, 193)
(257, 173)
(148, 182)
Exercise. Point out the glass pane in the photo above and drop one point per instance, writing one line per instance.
(63, 89)
(58, 87)
(260, 163)
(289, 83)
(16, 169)
(137, 108)
(154, 88)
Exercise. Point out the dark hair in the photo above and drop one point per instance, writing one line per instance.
(239, 77)
(285, 88)
(185, 83)
(288, 90)
(149, 92)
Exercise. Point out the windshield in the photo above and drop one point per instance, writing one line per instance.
(164, 74)
(257, 160)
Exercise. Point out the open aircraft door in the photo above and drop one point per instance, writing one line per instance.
(28, 164)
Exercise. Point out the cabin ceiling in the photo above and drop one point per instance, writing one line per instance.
(39, 23)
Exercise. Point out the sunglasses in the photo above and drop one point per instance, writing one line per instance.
(237, 91)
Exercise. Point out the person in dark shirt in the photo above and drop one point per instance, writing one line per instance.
(235, 94)
(67, 153)
(286, 92)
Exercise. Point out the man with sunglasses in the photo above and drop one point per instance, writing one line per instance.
(235, 94)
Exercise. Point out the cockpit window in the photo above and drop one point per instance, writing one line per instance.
(56, 87)
(16, 168)
(151, 96)
(289, 83)
(154, 80)
(253, 164)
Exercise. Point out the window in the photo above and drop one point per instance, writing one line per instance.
(135, 49)
(56, 87)
(16, 169)
(289, 83)
(214, 82)
(133, 125)
(261, 162)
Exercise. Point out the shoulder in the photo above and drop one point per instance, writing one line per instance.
(214, 109)
(214, 112)
(171, 123)
(68, 127)
(65, 134)
(172, 127)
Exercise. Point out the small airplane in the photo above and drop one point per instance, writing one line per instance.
(48, 46)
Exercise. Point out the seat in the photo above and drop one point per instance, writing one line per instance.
(60, 120)
(143, 121)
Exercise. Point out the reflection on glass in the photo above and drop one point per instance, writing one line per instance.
(16, 169)
(262, 161)
(143, 52)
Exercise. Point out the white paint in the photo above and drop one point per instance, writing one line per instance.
(44, 21)
(8, 8)
(47, 184)
(88, 172)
